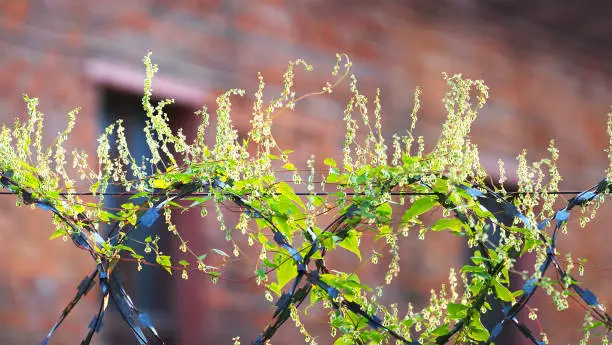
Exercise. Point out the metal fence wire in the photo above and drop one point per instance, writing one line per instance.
(86, 237)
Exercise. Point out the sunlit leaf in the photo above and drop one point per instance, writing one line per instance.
(351, 242)
(452, 224)
(420, 206)
(476, 329)
(285, 270)
(502, 292)
(329, 162)
(164, 261)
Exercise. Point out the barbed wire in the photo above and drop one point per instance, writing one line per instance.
(306, 278)
(131, 193)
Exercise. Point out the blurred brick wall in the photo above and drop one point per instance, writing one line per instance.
(65, 52)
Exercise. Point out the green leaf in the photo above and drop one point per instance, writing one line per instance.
(261, 273)
(371, 336)
(344, 340)
(408, 323)
(198, 200)
(184, 263)
(441, 186)
(138, 195)
(502, 292)
(327, 240)
(351, 242)
(285, 190)
(261, 238)
(529, 244)
(283, 227)
(351, 285)
(79, 208)
(268, 263)
(440, 331)
(334, 178)
(275, 288)
(456, 311)
(289, 166)
(383, 212)
(160, 183)
(383, 231)
(219, 251)
(452, 224)
(476, 330)
(473, 269)
(593, 325)
(121, 247)
(94, 187)
(286, 269)
(420, 206)
(164, 261)
(106, 216)
(317, 200)
(506, 275)
(329, 162)
(59, 232)
(128, 206)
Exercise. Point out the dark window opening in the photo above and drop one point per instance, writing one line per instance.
(151, 289)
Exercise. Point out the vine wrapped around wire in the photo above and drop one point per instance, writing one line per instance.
(370, 185)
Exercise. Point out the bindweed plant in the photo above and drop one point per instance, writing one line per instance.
(373, 181)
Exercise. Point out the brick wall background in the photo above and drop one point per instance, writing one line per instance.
(546, 66)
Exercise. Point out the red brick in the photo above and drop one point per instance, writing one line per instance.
(536, 96)
(136, 20)
(14, 13)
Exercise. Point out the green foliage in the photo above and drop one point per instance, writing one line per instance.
(368, 187)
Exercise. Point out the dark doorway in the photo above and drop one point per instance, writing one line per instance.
(152, 289)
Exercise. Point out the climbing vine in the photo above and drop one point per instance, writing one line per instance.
(390, 189)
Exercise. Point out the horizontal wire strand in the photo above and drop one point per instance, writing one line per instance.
(297, 193)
